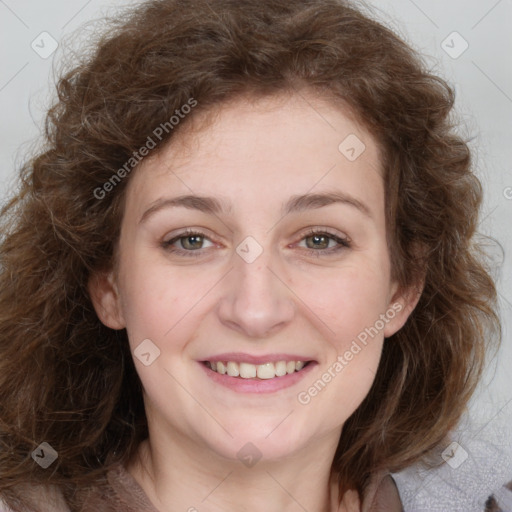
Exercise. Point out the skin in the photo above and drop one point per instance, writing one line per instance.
(292, 299)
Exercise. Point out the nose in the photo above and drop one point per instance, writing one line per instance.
(255, 300)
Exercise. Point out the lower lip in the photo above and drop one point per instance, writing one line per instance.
(258, 385)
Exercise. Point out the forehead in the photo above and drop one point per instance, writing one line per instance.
(259, 148)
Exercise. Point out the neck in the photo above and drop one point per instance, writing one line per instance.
(179, 475)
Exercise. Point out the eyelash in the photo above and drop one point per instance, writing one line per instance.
(344, 243)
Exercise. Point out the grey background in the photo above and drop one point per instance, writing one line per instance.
(482, 79)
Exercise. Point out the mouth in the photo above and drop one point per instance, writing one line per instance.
(265, 371)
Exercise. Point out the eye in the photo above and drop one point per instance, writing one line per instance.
(187, 242)
(318, 242)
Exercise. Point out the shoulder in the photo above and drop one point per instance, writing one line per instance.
(38, 498)
(129, 491)
(500, 500)
(119, 491)
(382, 495)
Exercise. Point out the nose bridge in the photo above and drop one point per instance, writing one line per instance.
(255, 300)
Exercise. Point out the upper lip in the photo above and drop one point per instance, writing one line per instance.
(238, 357)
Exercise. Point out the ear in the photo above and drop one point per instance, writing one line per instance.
(401, 305)
(106, 299)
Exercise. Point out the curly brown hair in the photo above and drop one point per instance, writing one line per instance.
(67, 379)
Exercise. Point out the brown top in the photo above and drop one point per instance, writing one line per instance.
(122, 493)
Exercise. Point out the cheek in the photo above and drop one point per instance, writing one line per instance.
(352, 308)
(350, 300)
(356, 301)
(157, 300)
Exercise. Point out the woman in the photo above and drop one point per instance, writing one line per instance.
(242, 276)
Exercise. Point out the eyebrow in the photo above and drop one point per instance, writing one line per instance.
(295, 204)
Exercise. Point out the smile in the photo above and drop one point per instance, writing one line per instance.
(263, 371)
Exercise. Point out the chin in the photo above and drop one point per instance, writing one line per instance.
(264, 444)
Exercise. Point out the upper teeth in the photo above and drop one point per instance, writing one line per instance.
(262, 371)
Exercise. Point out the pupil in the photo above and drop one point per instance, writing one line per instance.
(192, 242)
(318, 241)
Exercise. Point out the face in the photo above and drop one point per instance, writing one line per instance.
(258, 247)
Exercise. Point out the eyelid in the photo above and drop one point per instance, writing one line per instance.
(343, 241)
(190, 231)
(319, 230)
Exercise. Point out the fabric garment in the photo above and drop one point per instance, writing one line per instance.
(122, 493)
(484, 436)
(501, 500)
